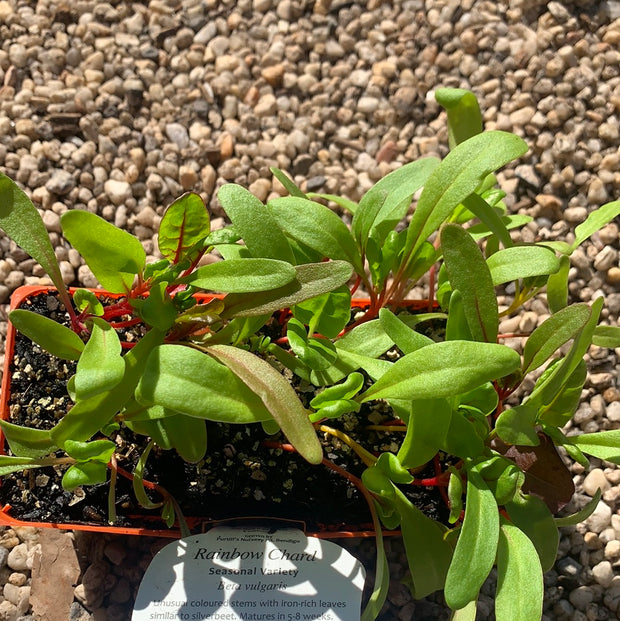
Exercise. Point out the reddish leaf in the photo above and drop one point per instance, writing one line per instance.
(546, 476)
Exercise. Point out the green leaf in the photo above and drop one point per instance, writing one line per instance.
(326, 314)
(532, 516)
(188, 436)
(12, 463)
(114, 256)
(345, 203)
(241, 275)
(469, 273)
(427, 426)
(468, 613)
(387, 202)
(311, 280)
(21, 221)
(288, 184)
(462, 439)
(389, 464)
(346, 390)
(522, 262)
(476, 546)
(257, 227)
(552, 334)
(604, 445)
(318, 227)
(464, 117)
(595, 221)
(100, 367)
(86, 301)
(55, 338)
(184, 224)
(444, 369)
(580, 516)
(489, 216)
(518, 426)
(158, 309)
(606, 336)
(458, 175)
(189, 381)
(551, 384)
(27, 441)
(138, 481)
(557, 286)
(316, 353)
(84, 473)
(567, 400)
(519, 577)
(457, 327)
(96, 450)
(482, 230)
(278, 397)
(406, 339)
(86, 417)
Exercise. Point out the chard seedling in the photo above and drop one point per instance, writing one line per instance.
(495, 462)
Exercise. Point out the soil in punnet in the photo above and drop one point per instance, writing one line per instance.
(239, 476)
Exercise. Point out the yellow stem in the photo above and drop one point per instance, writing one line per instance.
(388, 428)
(368, 458)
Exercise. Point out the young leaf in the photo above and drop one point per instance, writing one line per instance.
(476, 546)
(100, 367)
(606, 336)
(290, 187)
(596, 220)
(558, 329)
(604, 445)
(518, 426)
(158, 309)
(188, 436)
(21, 221)
(326, 314)
(138, 481)
(468, 613)
(345, 203)
(316, 353)
(55, 338)
(241, 275)
(311, 280)
(277, 395)
(427, 426)
(532, 516)
(96, 450)
(87, 302)
(458, 175)
(318, 227)
(580, 516)
(26, 441)
(455, 494)
(519, 577)
(348, 389)
(557, 286)
(444, 369)
(13, 463)
(457, 327)
(522, 262)
(469, 273)
(184, 224)
(114, 256)
(406, 339)
(387, 202)
(86, 417)
(189, 382)
(464, 117)
(257, 227)
(84, 473)
(489, 216)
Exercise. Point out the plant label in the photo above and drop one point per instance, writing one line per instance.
(251, 574)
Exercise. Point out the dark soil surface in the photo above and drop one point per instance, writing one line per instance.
(239, 476)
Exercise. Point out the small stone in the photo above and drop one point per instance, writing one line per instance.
(605, 259)
(177, 133)
(227, 146)
(575, 214)
(581, 597)
(117, 191)
(18, 558)
(266, 106)
(188, 177)
(61, 182)
(600, 518)
(273, 75)
(367, 105)
(603, 573)
(612, 550)
(594, 481)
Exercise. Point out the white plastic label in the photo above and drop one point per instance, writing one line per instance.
(251, 574)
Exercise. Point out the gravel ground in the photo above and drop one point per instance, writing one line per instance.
(118, 107)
